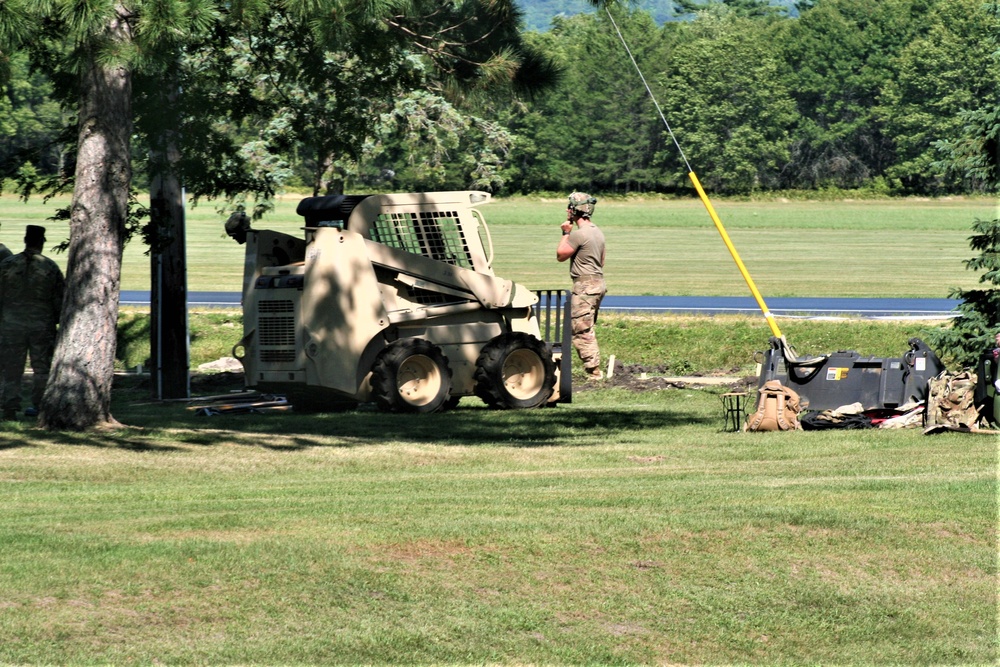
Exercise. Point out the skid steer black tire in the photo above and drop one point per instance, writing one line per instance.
(515, 371)
(411, 375)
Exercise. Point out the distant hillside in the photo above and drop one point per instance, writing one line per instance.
(538, 14)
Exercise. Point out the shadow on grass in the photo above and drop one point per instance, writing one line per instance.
(469, 426)
(166, 427)
(127, 438)
(14, 444)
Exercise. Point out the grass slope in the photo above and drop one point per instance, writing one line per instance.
(623, 528)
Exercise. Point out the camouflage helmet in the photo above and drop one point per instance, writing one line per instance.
(582, 204)
(237, 226)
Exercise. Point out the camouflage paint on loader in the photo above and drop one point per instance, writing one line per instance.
(392, 299)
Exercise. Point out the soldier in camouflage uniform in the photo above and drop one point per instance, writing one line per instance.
(585, 247)
(31, 294)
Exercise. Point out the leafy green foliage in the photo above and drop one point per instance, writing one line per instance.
(944, 71)
(733, 113)
(425, 143)
(597, 129)
(838, 55)
(880, 92)
(30, 122)
(974, 154)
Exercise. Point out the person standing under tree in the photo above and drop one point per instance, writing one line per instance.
(31, 295)
(585, 247)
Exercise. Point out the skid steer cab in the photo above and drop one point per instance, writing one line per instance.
(391, 299)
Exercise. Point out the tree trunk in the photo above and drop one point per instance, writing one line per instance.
(168, 332)
(78, 395)
(168, 322)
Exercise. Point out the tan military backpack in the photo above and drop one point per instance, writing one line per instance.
(777, 409)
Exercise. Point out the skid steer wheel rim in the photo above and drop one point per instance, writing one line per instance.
(411, 375)
(418, 380)
(514, 371)
(523, 374)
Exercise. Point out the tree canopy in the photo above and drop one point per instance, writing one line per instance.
(846, 95)
(841, 94)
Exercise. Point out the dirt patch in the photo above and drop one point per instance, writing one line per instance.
(639, 378)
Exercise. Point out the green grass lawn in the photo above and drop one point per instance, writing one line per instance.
(624, 528)
(884, 248)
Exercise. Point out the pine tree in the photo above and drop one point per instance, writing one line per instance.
(970, 334)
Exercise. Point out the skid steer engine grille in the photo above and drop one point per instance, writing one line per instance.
(433, 234)
(276, 331)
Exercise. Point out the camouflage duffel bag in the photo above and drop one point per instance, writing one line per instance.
(951, 400)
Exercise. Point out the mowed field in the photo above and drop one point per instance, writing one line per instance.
(627, 527)
(883, 248)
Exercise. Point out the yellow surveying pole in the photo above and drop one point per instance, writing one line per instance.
(701, 193)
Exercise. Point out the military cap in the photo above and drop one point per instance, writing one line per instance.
(34, 235)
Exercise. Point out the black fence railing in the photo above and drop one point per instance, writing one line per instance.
(556, 327)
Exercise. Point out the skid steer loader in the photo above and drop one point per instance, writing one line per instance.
(392, 299)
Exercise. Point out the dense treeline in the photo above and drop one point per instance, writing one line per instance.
(850, 94)
(845, 95)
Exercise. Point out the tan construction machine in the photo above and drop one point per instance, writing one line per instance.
(392, 299)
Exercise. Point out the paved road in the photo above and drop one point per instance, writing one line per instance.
(787, 307)
(706, 305)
